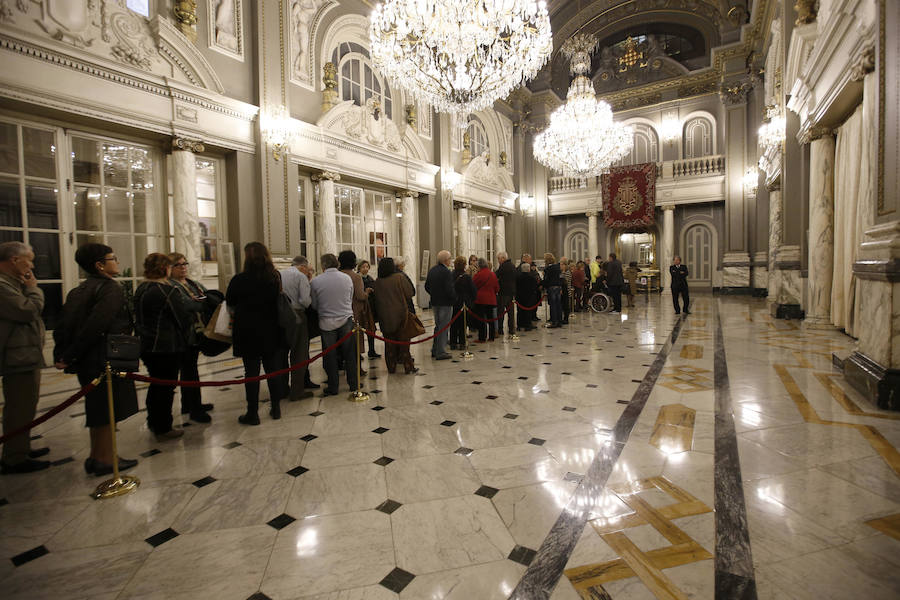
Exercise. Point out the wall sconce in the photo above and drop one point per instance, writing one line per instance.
(670, 129)
(449, 179)
(771, 132)
(751, 181)
(278, 130)
(526, 204)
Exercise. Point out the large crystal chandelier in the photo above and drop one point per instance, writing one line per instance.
(460, 56)
(582, 139)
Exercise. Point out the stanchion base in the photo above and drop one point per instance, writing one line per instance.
(116, 487)
(467, 354)
(358, 396)
(514, 338)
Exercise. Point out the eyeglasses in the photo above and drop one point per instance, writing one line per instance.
(113, 258)
(181, 264)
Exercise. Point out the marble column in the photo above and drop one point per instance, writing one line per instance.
(409, 239)
(499, 233)
(327, 233)
(821, 231)
(184, 204)
(593, 243)
(776, 226)
(462, 227)
(668, 245)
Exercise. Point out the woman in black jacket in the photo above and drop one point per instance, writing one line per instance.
(94, 309)
(252, 296)
(465, 296)
(528, 294)
(162, 320)
(369, 283)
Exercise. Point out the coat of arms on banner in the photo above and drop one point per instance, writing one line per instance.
(629, 195)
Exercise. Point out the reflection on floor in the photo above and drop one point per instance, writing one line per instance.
(446, 484)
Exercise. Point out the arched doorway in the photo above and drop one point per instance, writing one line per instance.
(576, 245)
(698, 255)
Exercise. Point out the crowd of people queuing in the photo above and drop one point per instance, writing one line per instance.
(169, 313)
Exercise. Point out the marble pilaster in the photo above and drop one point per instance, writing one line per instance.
(327, 233)
(776, 228)
(408, 234)
(184, 203)
(462, 225)
(821, 232)
(668, 245)
(759, 272)
(499, 233)
(593, 244)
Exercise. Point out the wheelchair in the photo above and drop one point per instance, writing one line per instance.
(600, 301)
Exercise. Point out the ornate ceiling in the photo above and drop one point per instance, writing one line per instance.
(672, 37)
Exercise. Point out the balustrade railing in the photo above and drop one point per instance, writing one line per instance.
(705, 166)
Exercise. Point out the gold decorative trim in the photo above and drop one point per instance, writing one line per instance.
(185, 144)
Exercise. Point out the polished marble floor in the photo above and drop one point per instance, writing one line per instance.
(627, 456)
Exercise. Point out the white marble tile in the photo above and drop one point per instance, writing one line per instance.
(360, 420)
(515, 465)
(491, 433)
(344, 449)
(234, 503)
(490, 581)
(228, 563)
(430, 478)
(291, 427)
(335, 490)
(25, 525)
(326, 554)
(260, 456)
(175, 465)
(530, 511)
(370, 592)
(811, 444)
(413, 442)
(448, 534)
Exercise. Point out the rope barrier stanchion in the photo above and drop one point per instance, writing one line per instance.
(466, 354)
(358, 395)
(119, 484)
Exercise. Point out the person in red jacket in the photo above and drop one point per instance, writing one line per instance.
(487, 287)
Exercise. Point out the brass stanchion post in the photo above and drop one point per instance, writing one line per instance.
(358, 395)
(119, 484)
(466, 353)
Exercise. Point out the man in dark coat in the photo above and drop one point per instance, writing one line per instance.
(615, 279)
(439, 285)
(679, 273)
(506, 275)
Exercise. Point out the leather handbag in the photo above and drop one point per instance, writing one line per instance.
(123, 352)
(412, 327)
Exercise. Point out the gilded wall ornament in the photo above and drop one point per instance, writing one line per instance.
(735, 92)
(185, 12)
(806, 12)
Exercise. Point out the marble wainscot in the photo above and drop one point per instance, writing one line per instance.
(789, 285)
(759, 274)
(736, 273)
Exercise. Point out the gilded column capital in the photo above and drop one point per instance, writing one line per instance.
(406, 194)
(461, 205)
(591, 213)
(326, 176)
(735, 92)
(667, 207)
(188, 145)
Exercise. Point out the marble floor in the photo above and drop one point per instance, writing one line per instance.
(642, 455)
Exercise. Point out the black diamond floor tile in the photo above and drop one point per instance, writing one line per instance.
(162, 537)
(463, 451)
(29, 555)
(376, 408)
(523, 378)
(205, 481)
(448, 423)
(384, 461)
(476, 383)
(62, 461)
(375, 392)
(388, 506)
(522, 555)
(380, 430)
(463, 370)
(510, 416)
(506, 367)
(536, 441)
(591, 385)
(309, 438)
(569, 408)
(397, 580)
(151, 452)
(281, 521)
(231, 445)
(490, 397)
(486, 491)
(635, 381)
(297, 471)
(621, 401)
(316, 413)
(436, 403)
(427, 387)
(259, 596)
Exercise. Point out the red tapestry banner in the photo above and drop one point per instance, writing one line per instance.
(629, 196)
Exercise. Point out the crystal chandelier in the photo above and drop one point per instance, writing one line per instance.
(771, 132)
(460, 55)
(582, 140)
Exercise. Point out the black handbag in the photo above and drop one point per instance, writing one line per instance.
(287, 319)
(312, 323)
(123, 352)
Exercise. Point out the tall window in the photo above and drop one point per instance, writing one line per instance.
(348, 208)
(577, 246)
(478, 140)
(382, 227)
(481, 237)
(141, 7)
(698, 138)
(646, 146)
(29, 203)
(115, 201)
(358, 80)
(302, 224)
(206, 208)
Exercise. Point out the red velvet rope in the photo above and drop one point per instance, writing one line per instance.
(279, 373)
(529, 307)
(493, 319)
(53, 411)
(410, 342)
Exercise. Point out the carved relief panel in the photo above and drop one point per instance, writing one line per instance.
(305, 18)
(226, 33)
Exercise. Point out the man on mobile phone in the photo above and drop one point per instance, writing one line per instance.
(21, 355)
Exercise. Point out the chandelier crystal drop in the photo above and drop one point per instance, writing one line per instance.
(582, 139)
(460, 56)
